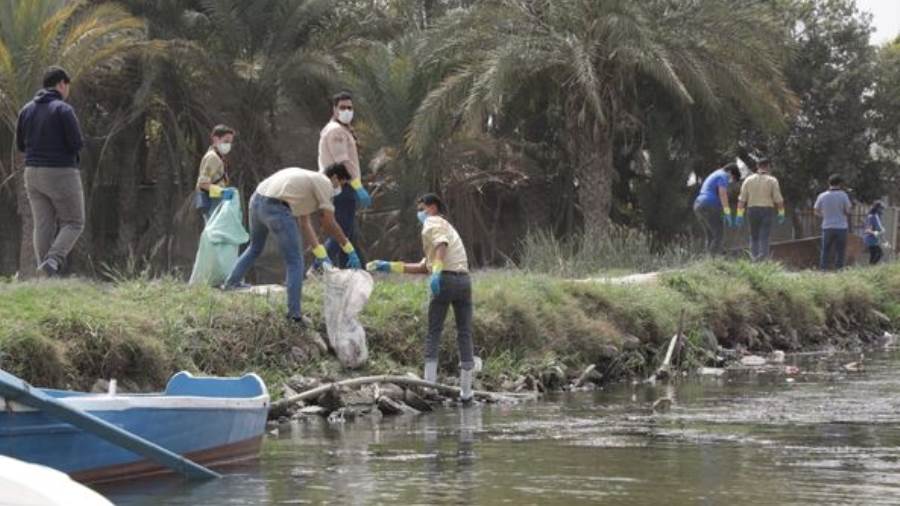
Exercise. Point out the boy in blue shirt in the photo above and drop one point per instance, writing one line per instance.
(712, 208)
(833, 206)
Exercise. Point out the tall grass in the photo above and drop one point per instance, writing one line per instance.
(618, 249)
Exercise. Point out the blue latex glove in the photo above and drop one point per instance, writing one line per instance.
(353, 260)
(739, 221)
(780, 219)
(362, 196)
(320, 263)
(728, 220)
(435, 283)
(228, 193)
(379, 266)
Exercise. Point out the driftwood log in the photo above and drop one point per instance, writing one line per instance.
(397, 380)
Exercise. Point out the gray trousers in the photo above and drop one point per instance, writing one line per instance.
(57, 208)
(710, 218)
(760, 220)
(456, 290)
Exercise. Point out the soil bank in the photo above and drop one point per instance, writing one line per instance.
(69, 333)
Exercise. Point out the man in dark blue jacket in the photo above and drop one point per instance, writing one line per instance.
(48, 133)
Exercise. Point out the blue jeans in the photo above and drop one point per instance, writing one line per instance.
(345, 216)
(760, 220)
(206, 204)
(834, 245)
(271, 215)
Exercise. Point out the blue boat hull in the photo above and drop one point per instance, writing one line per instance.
(200, 421)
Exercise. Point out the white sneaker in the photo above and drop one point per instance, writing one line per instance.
(465, 385)
(431, 371)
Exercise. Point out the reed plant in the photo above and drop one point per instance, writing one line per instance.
(619, 249)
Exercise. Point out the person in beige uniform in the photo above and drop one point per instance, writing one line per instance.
(282, 204)
(446, 260)
(337, 144)
(760, 198)
(212, 178)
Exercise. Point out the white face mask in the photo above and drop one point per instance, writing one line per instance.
(224, 147)
(337, 191)
(345, 116)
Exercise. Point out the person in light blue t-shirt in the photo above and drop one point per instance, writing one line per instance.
(712, 208)
(872, 235)
(833, 206)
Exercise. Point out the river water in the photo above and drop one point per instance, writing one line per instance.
(826, 437)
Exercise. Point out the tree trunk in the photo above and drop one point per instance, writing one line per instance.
(591, 150)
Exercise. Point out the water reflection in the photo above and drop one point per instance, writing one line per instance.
(822, 439)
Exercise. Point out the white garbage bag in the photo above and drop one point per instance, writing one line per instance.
(346, 293)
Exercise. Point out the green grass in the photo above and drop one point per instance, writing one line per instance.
(70, 333)
(618, 251)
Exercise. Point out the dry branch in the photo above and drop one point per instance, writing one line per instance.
(397, 380)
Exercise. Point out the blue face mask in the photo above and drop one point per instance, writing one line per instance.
(422, 215)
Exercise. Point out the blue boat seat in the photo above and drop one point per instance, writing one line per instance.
(185, 384)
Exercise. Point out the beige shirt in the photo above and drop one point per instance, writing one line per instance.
(336, 144)
(304, 190)
(437, 231)
(212, 169)
(761, 190)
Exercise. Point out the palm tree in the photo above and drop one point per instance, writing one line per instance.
(390, 83)
(82, 37)
(592, 60)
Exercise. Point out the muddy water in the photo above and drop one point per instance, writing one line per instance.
(825, 438)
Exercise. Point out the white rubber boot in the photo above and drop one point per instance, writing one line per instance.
(431, 371)
(465, 385)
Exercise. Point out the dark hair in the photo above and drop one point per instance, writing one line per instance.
(339, 170)
(734, 170)
(877, 207)
(835, 180)
(55, 75)
(430, 199)
(221, 131)
(337, 97)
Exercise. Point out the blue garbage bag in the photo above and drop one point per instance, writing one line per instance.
(218, 249)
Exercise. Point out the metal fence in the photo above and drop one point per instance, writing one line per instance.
(810, 225)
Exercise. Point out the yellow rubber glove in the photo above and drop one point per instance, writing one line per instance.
(385, 266)
(353, 261)
(436, 269)
(321, 257)
(215, 191)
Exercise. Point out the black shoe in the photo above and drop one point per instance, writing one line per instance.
(47, 269)
(301, 321)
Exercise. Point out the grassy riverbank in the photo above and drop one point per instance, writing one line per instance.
(69, 333)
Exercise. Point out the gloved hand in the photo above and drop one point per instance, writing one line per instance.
(321, 263)
(322, 259)
(215, 191)
(435, 282)
(781, 217)
(352, 258)
(726, 217)
(228, 193)
(362, 196)
(739, 220)
(384, 266)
